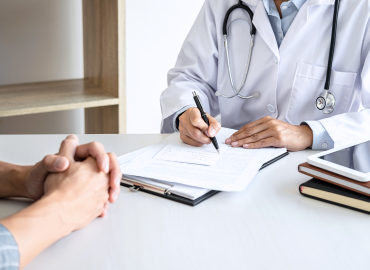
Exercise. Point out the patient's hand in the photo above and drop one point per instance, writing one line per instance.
(34, 176)
(71, 200)
(82, 190)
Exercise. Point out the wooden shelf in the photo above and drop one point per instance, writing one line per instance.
(21, 99)
(102, 91)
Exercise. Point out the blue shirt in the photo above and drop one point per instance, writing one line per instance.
(289, 11)
(9, 254)
(280, 26)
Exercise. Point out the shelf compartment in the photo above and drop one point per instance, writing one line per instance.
(30, 98)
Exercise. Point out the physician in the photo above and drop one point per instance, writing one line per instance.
(307, 83)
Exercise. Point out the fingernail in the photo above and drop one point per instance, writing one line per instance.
(246, 145)
(59, 164)
(206, 132)
(228, 141)
(235, 144)
(106, 167)
(115, 196)
(212, 132)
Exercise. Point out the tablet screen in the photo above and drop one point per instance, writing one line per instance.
(356, 157)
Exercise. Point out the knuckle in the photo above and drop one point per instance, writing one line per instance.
(263, 143)
(96, 145)
(196, 122)
(268, 118)
(248, 131)
(255, 137)
(182, 117)
(46, 159)
(276, 129)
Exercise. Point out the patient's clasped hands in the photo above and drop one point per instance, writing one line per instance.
(91, 159)
(70, 189)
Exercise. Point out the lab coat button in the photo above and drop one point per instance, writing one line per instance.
(270, 108)
(324, 145)
(276, 59)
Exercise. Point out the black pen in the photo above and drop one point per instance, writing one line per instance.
(205, 118)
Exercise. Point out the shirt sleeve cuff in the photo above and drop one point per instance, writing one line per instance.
(321, 138)
(9, 253)
(177, 115)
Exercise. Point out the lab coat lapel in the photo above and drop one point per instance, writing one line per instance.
(300, 21)
(264, 29)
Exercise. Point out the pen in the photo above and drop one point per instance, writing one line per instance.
(205, 118)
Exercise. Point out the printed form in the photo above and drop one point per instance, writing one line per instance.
(181, 152)
(233, 170)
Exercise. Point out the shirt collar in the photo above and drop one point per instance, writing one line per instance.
(271, 7)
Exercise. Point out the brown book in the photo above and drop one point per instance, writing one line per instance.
(336, 179)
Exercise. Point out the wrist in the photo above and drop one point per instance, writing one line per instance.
(12, 180)
(57, 202)
(308, 136)
(64, 207)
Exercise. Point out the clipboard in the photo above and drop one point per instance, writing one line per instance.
(136, 186)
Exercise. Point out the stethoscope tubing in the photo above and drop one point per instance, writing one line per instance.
(253, 33)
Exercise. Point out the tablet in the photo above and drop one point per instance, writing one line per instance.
(352, 160)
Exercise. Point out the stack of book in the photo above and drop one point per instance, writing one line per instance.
(335, 189)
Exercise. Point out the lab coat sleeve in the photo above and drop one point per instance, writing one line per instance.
(169, 124)
(348, 127)
(195, 69)
(321, 138)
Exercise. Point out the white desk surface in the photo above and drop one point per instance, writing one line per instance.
(267, 226)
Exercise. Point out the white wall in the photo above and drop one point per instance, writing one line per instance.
(41, 40)
(156, 30)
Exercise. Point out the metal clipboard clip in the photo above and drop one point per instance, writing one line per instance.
(138, 185)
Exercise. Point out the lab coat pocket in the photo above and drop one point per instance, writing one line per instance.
(308, 84)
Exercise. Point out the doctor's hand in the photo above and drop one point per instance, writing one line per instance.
(269, 131)
(193, 129)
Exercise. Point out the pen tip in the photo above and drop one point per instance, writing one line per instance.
(218, 150)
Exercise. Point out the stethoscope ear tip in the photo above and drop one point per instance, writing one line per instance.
(256, 95)
(218, 93)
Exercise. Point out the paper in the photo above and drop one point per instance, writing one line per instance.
(231, 172)
(181, 152)
(188, 192)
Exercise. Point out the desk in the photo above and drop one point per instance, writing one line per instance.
(267, 226)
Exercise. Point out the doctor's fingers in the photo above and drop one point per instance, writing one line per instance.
(196, 120)
(68, 148)
(250, 132)
(255, 138)
(186, 139)
(266, 119)
(214, 126)
(268, 142)
(195, 134)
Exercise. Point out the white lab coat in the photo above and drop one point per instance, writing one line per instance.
(289, 78)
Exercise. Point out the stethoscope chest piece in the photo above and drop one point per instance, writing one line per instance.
(326, 102)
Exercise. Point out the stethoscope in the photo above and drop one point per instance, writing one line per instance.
(325, 102)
